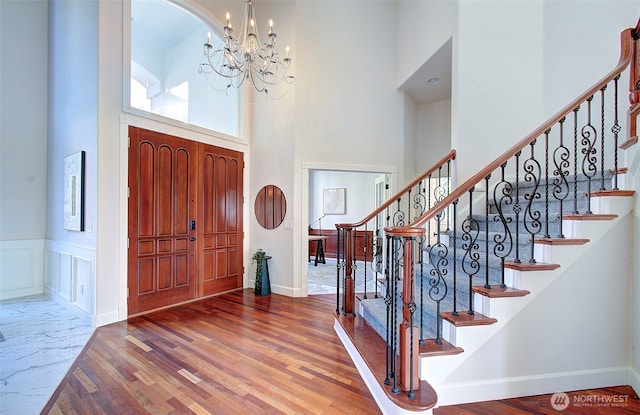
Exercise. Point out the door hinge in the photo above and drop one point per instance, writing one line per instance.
(127, 292)
(127, 243)
(128, 142)
(128, 192)
(386, 186)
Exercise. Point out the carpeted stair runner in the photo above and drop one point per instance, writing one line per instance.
(374, 311)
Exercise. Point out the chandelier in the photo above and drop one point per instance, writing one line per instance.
(247, 59)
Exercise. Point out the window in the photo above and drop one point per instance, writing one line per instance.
(166, 49)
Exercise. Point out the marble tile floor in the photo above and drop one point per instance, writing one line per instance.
(42, 339)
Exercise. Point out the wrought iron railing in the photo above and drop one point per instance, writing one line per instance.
(361, 246)
(464, 241)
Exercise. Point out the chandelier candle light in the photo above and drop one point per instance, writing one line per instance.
(247, 59)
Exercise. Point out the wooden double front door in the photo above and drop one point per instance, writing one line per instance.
(185, 220)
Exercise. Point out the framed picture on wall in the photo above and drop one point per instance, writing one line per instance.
(74, 191)
(334, 201)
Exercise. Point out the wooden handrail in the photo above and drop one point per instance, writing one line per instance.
(448, 157)
(458, 192)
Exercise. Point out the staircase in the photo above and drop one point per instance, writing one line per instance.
(504, 285)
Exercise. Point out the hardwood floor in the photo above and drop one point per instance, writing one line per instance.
(231, 354)
(237, 354)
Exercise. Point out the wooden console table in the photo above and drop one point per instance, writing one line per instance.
(319, 248)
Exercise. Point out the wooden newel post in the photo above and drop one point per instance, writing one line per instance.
(408, 333)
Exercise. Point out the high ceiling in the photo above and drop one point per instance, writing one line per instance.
(159, 24)
(422, 86)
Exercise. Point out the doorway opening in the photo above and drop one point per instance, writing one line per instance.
(359, 192)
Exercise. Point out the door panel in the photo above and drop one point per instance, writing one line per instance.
(162, 190)
(185, 215)
(221, 218)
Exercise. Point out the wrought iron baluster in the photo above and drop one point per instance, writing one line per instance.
(589, 160)
(575, 159)
(517, 208)
(602, 97)
(486, 233)
(616, 130)
(561, 163)
(438, 286)
(502, 195)
(429, 208)
(448, 191)
(470, 263)
(419, 202)
(390, 304)
(421, 261)
(531, 219)
(398, 216)
(546, 183)
(366, 257)
(455, 259)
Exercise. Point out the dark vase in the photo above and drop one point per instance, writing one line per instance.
(263, 287)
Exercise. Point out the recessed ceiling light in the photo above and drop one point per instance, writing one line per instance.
(433, 80)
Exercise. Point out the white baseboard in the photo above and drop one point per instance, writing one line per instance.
(634, 380)
(505, 388)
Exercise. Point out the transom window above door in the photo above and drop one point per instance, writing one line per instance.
(166, 49)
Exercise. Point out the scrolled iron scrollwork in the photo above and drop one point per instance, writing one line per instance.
(398, 218)
(438, 258)
(532, 173)
(561, 162)
(503, 240)
(419, 203)
(590, 159)
(471, 258)
(376, 253)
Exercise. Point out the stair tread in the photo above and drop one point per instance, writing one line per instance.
(499, 292)
(629, 143)
(561, 241)
(531, 266)
(431, 349)
(464, 319)
(618, 192)
(590, 216)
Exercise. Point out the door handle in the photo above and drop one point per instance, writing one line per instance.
(193, 238)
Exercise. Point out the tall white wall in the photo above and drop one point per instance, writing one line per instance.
(348, 111)
(572, 64)
(73, 126)
(23, 146)
(497, 78)
(433, 133)
(422, 27)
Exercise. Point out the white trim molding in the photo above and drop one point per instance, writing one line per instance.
(70, 275)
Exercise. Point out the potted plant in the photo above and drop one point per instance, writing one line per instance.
(262, 286)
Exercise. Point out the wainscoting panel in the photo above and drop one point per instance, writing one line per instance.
(21, 268)
(70, 275)
(65, 276)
